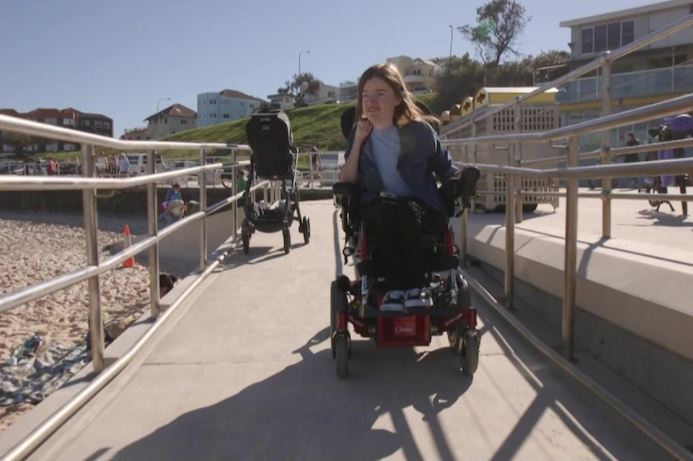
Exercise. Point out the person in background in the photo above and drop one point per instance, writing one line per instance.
(52, 166)
(315, 165)
(124, 166)
(633, 158)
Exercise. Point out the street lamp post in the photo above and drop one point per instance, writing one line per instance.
(299, 60)
(451, 29)
(158, 116)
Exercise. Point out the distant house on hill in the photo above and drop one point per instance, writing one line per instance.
(64, 118)
(419, 74)
(136, 134)
(171, 120)
(224, 106)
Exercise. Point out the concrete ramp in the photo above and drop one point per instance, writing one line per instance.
(245, 372)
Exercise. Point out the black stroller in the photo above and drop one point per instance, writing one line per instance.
(273, 158)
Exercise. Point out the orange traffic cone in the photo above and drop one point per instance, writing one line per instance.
(130, 262)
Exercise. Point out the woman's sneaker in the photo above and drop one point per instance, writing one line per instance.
(417, 298)
(393, 301)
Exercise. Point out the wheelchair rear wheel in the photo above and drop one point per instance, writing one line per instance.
(342, 354)
(305, 229)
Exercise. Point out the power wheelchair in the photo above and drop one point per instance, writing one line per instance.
(358, 302)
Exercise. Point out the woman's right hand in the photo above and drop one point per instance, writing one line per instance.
(363, 130)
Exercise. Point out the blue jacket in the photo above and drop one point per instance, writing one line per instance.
(422, 160)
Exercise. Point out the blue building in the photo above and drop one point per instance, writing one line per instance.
(224, 106)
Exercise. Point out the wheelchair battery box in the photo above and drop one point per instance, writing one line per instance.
(401, 330)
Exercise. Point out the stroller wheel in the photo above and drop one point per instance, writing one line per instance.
(246, 243)
(287, 240)
(305, 228)
(342, 354)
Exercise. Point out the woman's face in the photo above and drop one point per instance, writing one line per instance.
(379, 102)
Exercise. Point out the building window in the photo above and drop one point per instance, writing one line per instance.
(600, 38)
(97, 124)
(628, 32)
(587, 41)
(106, 124)
(87, 123)
(68, 122)
(614, 35)
(226, 116)
(183, 122)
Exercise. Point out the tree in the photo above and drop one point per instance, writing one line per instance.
(300, 85)
(19, 141)
(499, 23)
(461, 77)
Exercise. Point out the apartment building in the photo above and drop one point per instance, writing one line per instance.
(348, 91)
(66, 118)
(225, 106)
(171, 120)
(657, 72)
(419, 74)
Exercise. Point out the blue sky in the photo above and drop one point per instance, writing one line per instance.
(119, 57)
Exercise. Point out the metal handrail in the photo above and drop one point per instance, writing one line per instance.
(31, 128)
(95, 267)
(672, 106)
(607, 58)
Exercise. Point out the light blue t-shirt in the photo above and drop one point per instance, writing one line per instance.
(386, 149)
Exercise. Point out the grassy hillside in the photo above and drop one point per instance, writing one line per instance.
(315, 125)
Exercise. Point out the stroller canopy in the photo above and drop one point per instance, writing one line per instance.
(269, 136)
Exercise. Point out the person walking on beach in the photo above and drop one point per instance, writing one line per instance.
(124, 166)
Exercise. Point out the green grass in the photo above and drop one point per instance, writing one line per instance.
(311, 126)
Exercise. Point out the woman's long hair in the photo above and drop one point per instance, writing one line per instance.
(406, 111)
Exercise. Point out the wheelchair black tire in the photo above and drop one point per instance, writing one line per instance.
(306, 230)
(469, 359)
(342, 355)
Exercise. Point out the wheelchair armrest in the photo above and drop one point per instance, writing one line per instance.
(345, 189)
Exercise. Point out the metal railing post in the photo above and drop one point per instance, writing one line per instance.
(509, 239)
(234, 190)
(515, 151)
(152, 230)
(202, 181)
(569, 270)
(606, 144)
(91, 230)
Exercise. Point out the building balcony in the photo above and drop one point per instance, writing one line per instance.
(414, 79)
(677, 79)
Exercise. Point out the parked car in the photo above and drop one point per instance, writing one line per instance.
(138, 164)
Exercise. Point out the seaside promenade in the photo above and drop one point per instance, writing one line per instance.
(243, 370)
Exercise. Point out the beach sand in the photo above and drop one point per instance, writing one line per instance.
(32, 251)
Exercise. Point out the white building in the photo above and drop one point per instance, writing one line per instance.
(348, 91)
(171, 120)
(225, 106)
(326, 94)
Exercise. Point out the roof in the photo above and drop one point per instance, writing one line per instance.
(625, 13)
(175, 110)
(238, 94)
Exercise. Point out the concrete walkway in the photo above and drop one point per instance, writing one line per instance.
(245, 372)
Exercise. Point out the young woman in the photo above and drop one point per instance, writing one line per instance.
(393, 153)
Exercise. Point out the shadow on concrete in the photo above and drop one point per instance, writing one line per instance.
(665, 219)
(306, 412)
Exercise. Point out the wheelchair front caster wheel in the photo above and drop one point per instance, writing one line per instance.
(305, 229)
(469, 358)
(246, 243)
(341, 346)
